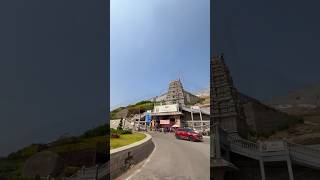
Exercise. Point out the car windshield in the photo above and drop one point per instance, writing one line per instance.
(189, 130)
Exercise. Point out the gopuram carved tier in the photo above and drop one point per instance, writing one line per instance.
(226, 109)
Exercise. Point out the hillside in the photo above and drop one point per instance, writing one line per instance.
(304, 103)
(203, 93)
(75, 151)
(123, 112)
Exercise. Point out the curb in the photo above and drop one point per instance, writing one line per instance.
(147, 138)
(123, 158)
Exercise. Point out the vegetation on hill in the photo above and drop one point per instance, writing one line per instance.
(141, 107)
(114, 113)
(293, 121)
(95, 139)
(200, 101)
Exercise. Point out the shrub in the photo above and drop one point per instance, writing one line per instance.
(70, 170)
(126, 131)
(115, 133)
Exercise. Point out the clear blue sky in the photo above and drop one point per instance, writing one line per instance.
(155, 41)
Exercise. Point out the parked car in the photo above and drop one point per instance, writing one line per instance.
(188, 134)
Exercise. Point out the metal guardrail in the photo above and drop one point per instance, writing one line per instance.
(244, 143)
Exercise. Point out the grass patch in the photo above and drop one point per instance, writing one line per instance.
(125, 139)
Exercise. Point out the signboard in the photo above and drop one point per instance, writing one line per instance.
(273, 146)
(148, 116)
(164, 121)
(166, 108)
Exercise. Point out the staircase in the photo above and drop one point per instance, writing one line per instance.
(92, 173)
(298, 154)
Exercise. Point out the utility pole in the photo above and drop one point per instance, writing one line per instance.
(201, 118)
(139, 120)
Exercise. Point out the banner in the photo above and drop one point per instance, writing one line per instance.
(166, 108)
(164, 121)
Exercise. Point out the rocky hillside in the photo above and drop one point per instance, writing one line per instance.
(203, 93)
(304, 103)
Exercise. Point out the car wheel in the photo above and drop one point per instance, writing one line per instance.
(190, 138)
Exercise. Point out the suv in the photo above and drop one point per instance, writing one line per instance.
(188, 133)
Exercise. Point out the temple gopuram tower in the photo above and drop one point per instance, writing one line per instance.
(175, 93)
(225, 109)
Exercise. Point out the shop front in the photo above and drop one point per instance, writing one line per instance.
(166, 116)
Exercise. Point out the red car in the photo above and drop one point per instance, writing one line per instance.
(188, 133)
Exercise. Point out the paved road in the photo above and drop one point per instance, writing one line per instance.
(175, 159)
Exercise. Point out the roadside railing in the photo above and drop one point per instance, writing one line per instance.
(297, 152)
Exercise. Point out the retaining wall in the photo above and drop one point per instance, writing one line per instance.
(124, 157)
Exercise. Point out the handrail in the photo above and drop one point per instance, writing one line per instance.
(243, 143)
(91, 172)
(298, 152)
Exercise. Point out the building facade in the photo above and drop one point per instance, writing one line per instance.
(175, 115)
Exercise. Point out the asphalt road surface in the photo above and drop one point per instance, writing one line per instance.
(173, 159)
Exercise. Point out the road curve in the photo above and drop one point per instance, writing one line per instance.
(175, 159)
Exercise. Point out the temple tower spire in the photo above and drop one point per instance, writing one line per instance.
(226, 109)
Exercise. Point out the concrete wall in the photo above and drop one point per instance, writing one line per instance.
(121, 158)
